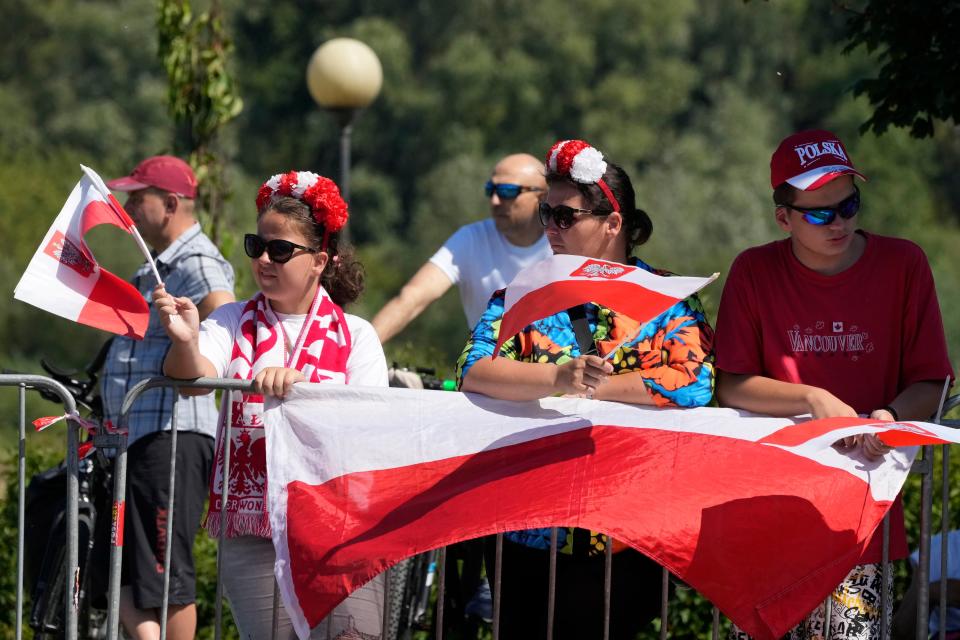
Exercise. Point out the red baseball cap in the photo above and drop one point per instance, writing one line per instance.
(162, 172)
(810, 159)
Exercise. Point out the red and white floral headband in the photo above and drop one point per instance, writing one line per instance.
(320, 194)
(583, 163)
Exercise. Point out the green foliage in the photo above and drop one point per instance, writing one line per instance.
(202, 97)
(917, 82)
(690, 96)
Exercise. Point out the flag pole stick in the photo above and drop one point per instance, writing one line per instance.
(146, 253)
(631, 338)
(102, 188)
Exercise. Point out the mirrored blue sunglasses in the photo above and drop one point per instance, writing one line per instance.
(822, 216)
(506, 190)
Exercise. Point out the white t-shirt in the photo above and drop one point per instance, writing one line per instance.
(366, 364)
(480, 261)
(953, 573)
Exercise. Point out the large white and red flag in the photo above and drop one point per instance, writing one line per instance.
(761, 515)
(63, 276)
(563, 281)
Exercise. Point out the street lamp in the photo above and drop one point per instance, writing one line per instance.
(344, 75)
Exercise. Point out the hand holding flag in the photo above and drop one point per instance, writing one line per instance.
(63, 276)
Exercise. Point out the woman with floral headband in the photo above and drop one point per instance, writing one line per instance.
(589, 210)
(281, 336)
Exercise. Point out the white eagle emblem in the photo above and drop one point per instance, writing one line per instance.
(596, 270)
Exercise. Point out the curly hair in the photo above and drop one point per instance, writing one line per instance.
(344, 275)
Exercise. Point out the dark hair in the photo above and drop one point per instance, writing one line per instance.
(343, 275)
(637, 222)
(785, 195)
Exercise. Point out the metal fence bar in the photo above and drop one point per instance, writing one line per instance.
(441, 589)
(275, 628)
(72, 586)
(827, 611)
(664, 604)
(552, 584)
(923, 567)
(72, 563)
(497, 579)
(171, 502)
(21, 500)
(224, 497)
(886, 607)
(716, 624)
(386, 628)
(607, 585)
(116, 536)
(944, 526)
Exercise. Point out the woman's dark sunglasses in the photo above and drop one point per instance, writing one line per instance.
(505, 190)
(279, 251)
(822, 216)
(564, 216)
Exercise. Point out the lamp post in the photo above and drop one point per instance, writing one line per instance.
(344, 75)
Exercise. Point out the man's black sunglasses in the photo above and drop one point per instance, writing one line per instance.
(279, 251)
(505, 190)
(822, 216)
(563, 216)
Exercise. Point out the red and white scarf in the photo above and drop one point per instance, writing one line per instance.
(320, 352)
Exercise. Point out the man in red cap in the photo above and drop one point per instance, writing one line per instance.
(161, 192)
(832, 321)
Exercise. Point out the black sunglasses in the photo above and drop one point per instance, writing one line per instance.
(563, 216)
(279, 251)
(822, 216)
(505, 190)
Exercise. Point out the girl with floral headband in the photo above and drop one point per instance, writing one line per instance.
(293, 330)
(590, 211)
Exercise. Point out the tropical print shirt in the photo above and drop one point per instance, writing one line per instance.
(673, 353)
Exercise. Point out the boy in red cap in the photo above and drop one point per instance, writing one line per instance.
(832, 321)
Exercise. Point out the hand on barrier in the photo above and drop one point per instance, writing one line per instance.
(276, 381)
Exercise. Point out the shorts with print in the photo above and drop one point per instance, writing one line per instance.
(854, 610)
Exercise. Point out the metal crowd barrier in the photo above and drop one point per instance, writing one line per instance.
(120, 483)
(923, 466)
(71, 559)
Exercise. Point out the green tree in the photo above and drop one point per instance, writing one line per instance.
(202, 96)
(918, 81)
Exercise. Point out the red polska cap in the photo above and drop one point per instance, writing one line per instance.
(162, 172)
(810, 159)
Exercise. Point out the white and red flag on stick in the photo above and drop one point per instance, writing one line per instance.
(63, 276)
(563, 281)
(761, 515)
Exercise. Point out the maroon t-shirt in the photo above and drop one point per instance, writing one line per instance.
(864, 334)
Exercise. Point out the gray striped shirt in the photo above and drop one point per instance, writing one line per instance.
(191, 267)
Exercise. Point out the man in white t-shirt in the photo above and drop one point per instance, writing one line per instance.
(483, 256)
